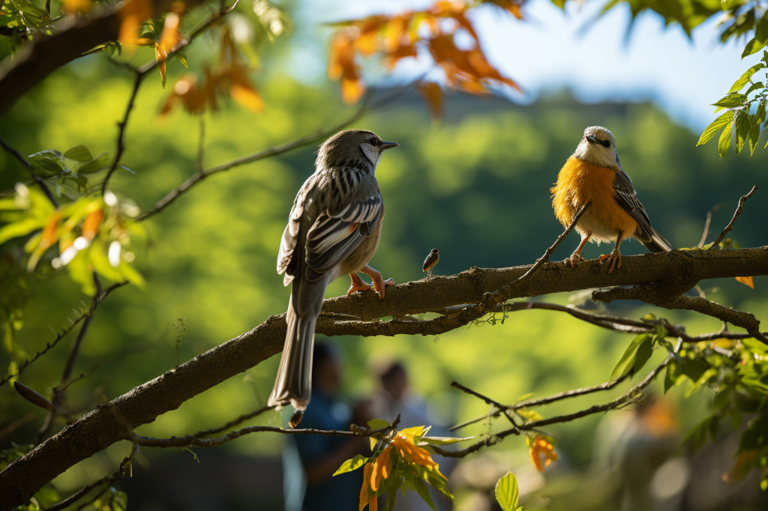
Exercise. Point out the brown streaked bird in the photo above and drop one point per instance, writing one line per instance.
(431, 261)
(594, 173)
(333, 230)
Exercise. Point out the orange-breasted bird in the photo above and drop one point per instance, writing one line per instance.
(594, 173)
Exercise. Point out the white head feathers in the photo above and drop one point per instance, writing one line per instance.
(598, 146)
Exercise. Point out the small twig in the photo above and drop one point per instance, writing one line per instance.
(121, 131)
(274, 151)
(13, 426)
(107, 479)
(49, 346)
(736, 214)
(532, 426)
(706, 225)
(560, 238)
(193, 440)
(39, 180)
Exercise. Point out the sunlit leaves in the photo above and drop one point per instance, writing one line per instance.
(396, 37)
(93, 233)
(758, 42)
(399, 462)
(635, 356)
(716, 126)
(507, 494)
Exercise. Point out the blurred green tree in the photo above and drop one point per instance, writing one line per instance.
(68, 211)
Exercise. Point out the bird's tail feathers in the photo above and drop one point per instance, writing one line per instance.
(657, 242)
(293, 384)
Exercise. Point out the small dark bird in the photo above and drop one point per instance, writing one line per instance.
(431, 261)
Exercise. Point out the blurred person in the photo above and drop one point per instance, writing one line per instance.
(395, 398)
(594, 173)
(320, 455)
(639, 446)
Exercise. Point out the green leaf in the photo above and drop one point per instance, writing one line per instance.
(376, 424)
(698, 434)
(47, 162)
(731, 100)
(754, 138)
(351, 465)
(131, 274)
(725, 140)
(507, 493)
(181, 58)
(101, 162)
(392, 493)
(644, 352)
(423, 492)
(713, 128)
(669, 379)
(741, 82)
(754, 87)
(416, 431)
(100, 262)
(79, 153)
(743, 126)
(627, 360)
(20, 228)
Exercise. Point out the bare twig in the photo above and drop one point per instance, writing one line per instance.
(121, 131)
(274, 151)
(620, 401)
(652, 296)
(13, 426)
(39, 180)
(736, 214)
(107, 479)
(706, 225)
(50, 345)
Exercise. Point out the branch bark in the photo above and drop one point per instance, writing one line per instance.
(672, 273)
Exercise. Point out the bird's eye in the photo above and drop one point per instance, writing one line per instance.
(606, 143)
(374, 142)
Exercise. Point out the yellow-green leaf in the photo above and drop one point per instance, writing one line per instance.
(351, 465)
(507, 493)
(713, 128)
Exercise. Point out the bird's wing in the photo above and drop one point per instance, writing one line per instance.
(335, 235)
(285, 260)
(627, 199)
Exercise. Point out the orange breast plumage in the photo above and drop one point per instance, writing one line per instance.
(578, 182)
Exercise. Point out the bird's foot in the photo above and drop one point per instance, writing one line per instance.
(378, 283)
(575, 258)
(614, 258)
(357, 284)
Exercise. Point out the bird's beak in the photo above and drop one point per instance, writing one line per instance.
(593, 139)
(388, 145)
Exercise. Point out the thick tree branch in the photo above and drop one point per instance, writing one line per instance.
(106, 425)
(34, 62)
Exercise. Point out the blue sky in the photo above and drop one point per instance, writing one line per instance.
(552, 49)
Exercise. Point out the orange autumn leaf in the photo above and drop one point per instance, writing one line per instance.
(380, 468)
(351, 89)
(405, 445)
(741, 467)
(367, 471)
(434, 96)
(540, 446)
(133, 13)
(76, 6)
(747, 281)
(49, 231)
(92, 223)
(161, 56)
(509, 6)
(171, 36)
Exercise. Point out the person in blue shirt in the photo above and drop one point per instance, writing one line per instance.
(322, 455)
